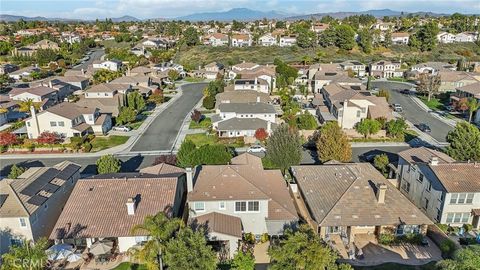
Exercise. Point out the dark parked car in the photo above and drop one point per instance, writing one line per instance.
(424, 127)
(405, 91)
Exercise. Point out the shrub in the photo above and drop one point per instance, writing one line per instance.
(108, 164)
(249, 238)
(15, 171)
(76, 142)
(264, 238)
(448, 248)
(412, 238)
(196, 116)
(467, 227)
(87, 147)
(443, 227)
(261, 134)
(386, 239)
(208, 102)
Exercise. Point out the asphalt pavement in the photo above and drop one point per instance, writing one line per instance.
(412, 112)
(96, 55)
(163, 131)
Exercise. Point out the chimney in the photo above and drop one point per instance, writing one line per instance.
(269, 127)
(258, 99)
(189, 171)
(130, 207)
(50, 84)
(381, 190)
(434, 161)
(35, 120)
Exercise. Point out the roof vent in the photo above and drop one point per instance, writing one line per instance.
(434, 161)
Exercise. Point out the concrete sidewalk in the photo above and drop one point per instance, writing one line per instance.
(436, 114)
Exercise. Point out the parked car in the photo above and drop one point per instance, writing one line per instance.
(397, 107)
(405, 91)
(122, 128)
(424, 127)
(450, 108)
(256, 149)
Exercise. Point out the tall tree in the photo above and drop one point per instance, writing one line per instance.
(191, 36)
(184, 153)
(396, 128)
(108, 164)
(126, 115)
(284, 147)
(332, 143)
(427, 36)
(243, 261)
(464, 259)
(429, 84)
(365, 40)
(160, 229)
(473, 106)
(381, 162)
(345, 37)
(367, 127)
(464, 142)
(302, 250)
(189, 250)
(27, 256)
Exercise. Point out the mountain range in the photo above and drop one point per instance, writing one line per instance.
(239, 14)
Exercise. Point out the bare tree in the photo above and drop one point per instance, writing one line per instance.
(428, 84)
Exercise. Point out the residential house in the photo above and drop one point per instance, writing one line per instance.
(63, 89)
(240, 198)
(252, 71)
(211, 71)
(110, 205)
(216, 39)
(166, 66)
(156, 43)
(141, 70)
(45, 96)
(112, 65)
(319, 27)
(357, 67)
(383, 26)
(451, 80)
(9, 110)
(68, 120)
(241, 96)
(107, 97)
(465, 37)
(400, 38)
(444, 37)
(31, 204)
(267, 40)
(386, 69)
(350, 200)
(241, 40)
(447, 191)
(243, 119)
(433, 67)
(466, 92)
(75, 82)
(71, 37)
(256, 84)
(287, 40)
(326, 76)
(350, 104)
(23, 73)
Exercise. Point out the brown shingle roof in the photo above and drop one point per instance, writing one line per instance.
(96, 207)
(344, 195)
(221, 223)
(39, 91)
(245, 179)
(70, 110)
(162, 168)
(458, 177)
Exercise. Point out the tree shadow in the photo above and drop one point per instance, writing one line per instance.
(132, 164)
(25, 164)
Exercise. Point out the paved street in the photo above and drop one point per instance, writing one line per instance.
(412, 112)
(135, 162)
(161, 134)
(96, 55)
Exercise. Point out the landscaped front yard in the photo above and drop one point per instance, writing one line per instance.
(101, 143)
(204, 123)
(130, 266)
(200, 139)
(437, 103)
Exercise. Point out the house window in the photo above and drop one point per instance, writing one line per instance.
(458, 217)
(453, 198)
(406, 186)
(461, 198)
(420, 178)
(28, 124)
(426, 204)
(23, 222)
(438, 215)
(221, 205)
(61, 124)
(240, 206)
(199, 206)
(53, 124)
(429, 187)
(16, 242)
(90, 117)
(442, 197)
(359, 113)
(470, 197)
(450, 217)
(253, 206)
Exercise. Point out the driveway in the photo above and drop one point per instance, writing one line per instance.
(163, 131)
(412, 112)
(96, 55)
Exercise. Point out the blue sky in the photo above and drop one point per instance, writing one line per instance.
(91, 9)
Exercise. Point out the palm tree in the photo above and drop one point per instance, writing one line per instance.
(27, 256)
(26, 104)
(473, 105)
(160, 229)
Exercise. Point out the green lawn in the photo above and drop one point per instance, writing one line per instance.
(204, 123)
(396, 266)
(101, 143)
(129, 266)
(114, 44)
(200, 139)
(433, 104)
(193, 79)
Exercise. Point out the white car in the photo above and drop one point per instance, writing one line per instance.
(121, 128)
(256, 149)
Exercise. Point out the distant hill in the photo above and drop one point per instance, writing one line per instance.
(378, 13)
(239, 14)
(14, 18)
